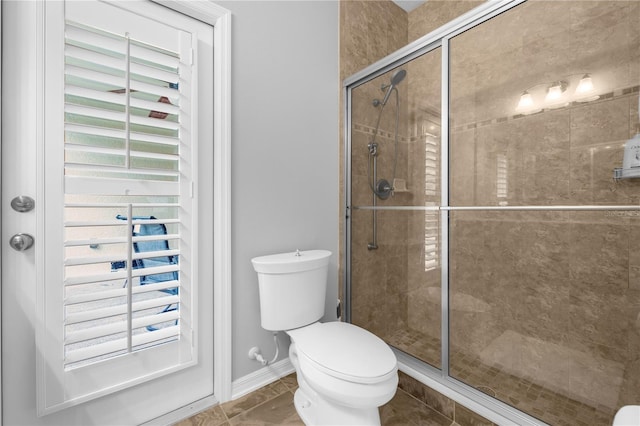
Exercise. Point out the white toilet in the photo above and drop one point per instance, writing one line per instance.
(344, 372)
(629, 415)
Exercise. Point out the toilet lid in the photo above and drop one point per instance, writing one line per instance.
(344, 350)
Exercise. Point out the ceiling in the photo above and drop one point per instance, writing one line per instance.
(408, 5)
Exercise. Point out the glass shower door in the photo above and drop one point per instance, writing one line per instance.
(544, 291)
(395, 234)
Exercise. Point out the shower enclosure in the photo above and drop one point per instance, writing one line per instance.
(507, 258)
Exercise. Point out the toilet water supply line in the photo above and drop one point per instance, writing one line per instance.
(255, 352)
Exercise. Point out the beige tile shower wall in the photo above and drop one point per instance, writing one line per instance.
(369, 31)
(561, 282)
(435, 13)
(378, 276)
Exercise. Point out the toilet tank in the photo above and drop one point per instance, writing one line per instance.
(292, 288)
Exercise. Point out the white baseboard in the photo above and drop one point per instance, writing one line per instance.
(261, 378)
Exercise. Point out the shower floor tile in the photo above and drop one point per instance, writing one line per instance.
(500, 380)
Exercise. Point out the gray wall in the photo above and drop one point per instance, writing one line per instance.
(285, 163)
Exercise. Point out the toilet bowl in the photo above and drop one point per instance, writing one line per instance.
(629, 415)
(344, 372)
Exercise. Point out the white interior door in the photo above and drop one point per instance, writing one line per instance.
(41, 382)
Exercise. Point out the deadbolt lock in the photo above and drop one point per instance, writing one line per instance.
(23, 203)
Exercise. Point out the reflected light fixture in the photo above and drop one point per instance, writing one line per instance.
(585, 85)
(526, 104)
(585, 89)
(555, 91)
(526, 101)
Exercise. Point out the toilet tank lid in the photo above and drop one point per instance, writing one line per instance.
(345, 350)
(296, 261)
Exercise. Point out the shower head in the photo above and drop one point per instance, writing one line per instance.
(396, 78)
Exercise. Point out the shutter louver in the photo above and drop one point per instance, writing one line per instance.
(117, 280)
(431, 218)
(123, 284)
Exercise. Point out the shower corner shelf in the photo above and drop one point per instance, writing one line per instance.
(400, 186)
(620, 173)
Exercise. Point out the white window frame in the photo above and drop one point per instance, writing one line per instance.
(220, 19)
(57, 388)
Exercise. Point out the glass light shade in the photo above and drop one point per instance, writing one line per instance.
(525, 102)
(585, 90)
(585, 85)
(554, 92)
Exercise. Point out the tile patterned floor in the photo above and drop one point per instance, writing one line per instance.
(273, 405)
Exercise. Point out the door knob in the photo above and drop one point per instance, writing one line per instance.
(21, 242)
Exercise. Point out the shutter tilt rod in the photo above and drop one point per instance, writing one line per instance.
(127, 130)
(129, 278)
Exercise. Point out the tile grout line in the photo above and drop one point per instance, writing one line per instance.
(259, 404)
(227, 421)
(427, 405)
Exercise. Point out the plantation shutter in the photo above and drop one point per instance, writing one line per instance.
(125, 301)
(431, 218)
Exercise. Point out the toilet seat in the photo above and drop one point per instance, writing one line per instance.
(346, 352)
